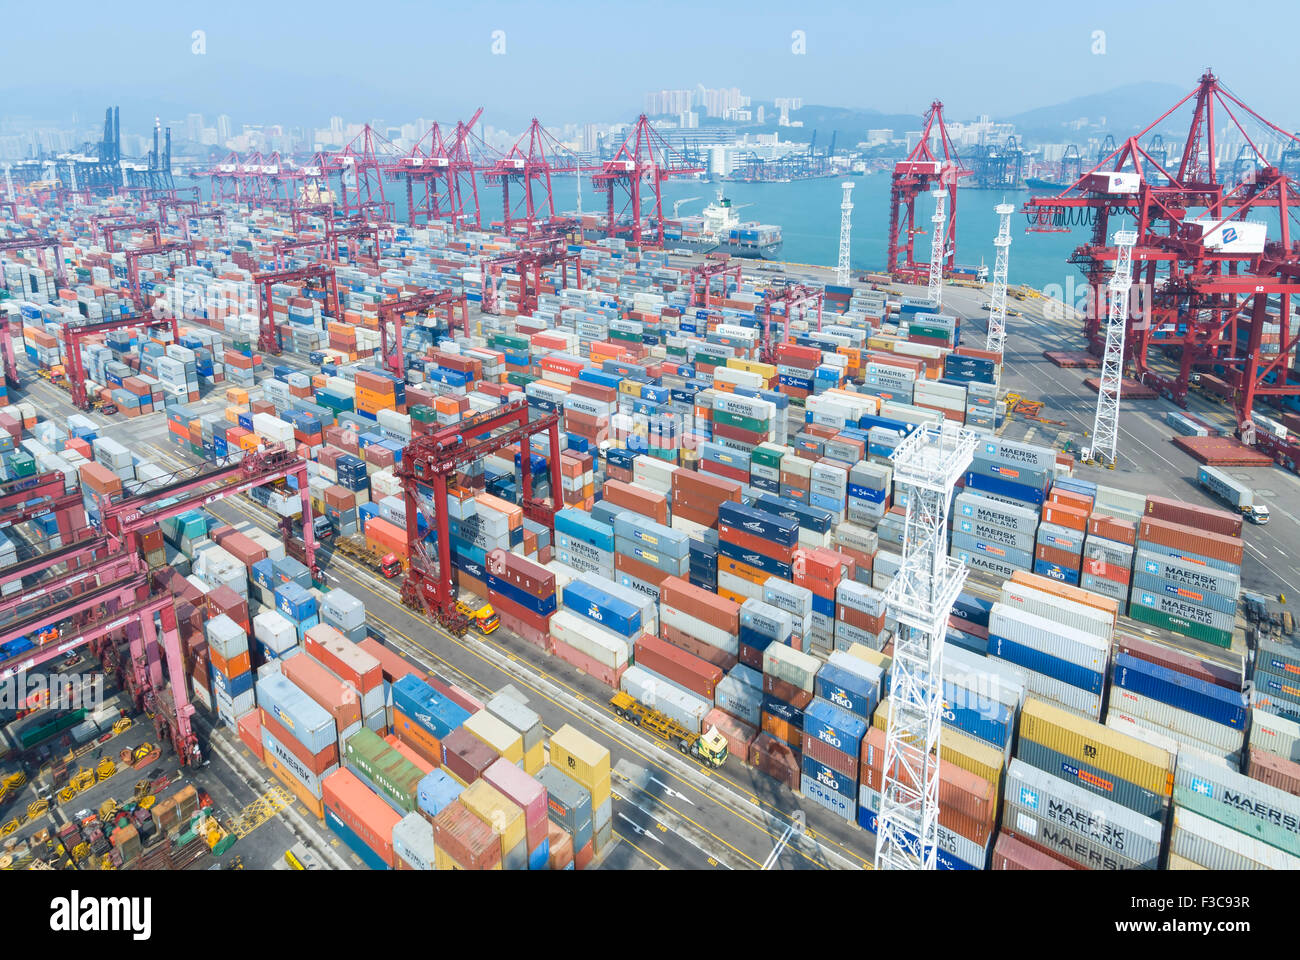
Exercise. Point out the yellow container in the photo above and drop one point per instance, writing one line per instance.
(535, 758)
(873, 657)
(1128, 758)
(600, 793)
(764, 370)
(442, 860)
(505, 741)
(493, 807)
(579, 756)
(957, 748)
(1182, 863)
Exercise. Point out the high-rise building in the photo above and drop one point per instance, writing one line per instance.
(193, 127)
(225, 128)
(758, 114)
(667, 102)
(688, 120)
(590, 138)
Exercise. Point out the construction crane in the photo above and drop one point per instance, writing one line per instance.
(52, 244)
(1105, 424)
(269, 337)
(997, 332)
(1216, 280)
(927, 464)
(456, 308)
(842, 272)
(430, 462)
(643, 157)
(920, 171)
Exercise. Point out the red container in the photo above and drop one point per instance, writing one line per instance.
(1066, 515)
(739, 735)
(1178, 660)
(967, 802)
(647, 503)
(776, 759)
(242, 548)
(335, 695)
(857, 618)
(528, 633)
(747, 541)
(417, 737)
(524, 574)
(409, 753)
(1113, 528)
(1194, 515)
(707, 652)
(750, 657)
(610, 676)
(561, 845)
(696, 675)
(782, 730)
(1058, 556)
(1070, 498)
(466, 756)
(786, 692)
(393, 666)
(837, 760)
(1012, 853)
(317, 763)
(370, 818)
(1275, 771)
(344, 657)
(523, 791)
(250, 732)
(234, 667)
(224, 600)
(1191, 539)
(540, 622)
(700, 603)
(701, 489)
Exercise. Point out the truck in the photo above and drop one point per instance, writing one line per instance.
(1233, 492)
(387, 565)
(484, 618)
(709, 747)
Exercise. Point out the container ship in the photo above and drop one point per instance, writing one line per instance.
(718, 229)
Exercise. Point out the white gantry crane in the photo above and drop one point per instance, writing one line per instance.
(1105, 425)
(997, 335)
(938, 248)
(927, 464)
(842, 273)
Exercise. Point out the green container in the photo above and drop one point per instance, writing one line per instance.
(764, 456)
(939, 333)
(713, 359)
(625, 336)
(510, 341)
(23, 464)
(1236, 819)
(1157, 618)
(519, 379)
(422, 414)
(676, 352)
(387, 769)
(752, 424)
(40, 732)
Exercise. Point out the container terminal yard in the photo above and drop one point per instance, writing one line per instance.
(457, 545)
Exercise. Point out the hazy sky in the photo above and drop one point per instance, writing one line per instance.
(567, 60)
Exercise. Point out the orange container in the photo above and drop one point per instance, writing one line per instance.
(417, 738)
(1062, 515)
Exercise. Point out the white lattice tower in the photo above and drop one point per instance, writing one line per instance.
(997, 335)
(842, 274)
(938, 247)
(927, 465)
(1105, 425)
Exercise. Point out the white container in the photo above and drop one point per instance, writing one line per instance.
(1217, 847)
(275, 630)
(1219, 736)
(1051, 637)
(593, 640)
(1276, 735)
(660, 694)
(1017, 597)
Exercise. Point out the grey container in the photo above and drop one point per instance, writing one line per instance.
(572, 809)
(343, 611)
(1160, 586)
(981, 562)
(975, 547)
(660, 694)
(993, 534)
(519, 718)
(1195, 576)
(1239, 794)
(1107, 829)
(1217, 847)
(413, 841)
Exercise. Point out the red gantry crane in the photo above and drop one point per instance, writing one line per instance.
(644, 157)
(1219, 285)
(428, 467)
(455, 305)
(435, 172)
(133, 256)
(269, 337)
(795, 301)
(74, 334)
(701, 282)
(530, 159)
(361, 166)
(920, 171)
(110, 231)
(528, 263)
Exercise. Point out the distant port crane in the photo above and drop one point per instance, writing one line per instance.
(644, 157)
(921, 171)
(1219, 288)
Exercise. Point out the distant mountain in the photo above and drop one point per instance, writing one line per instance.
(1126, 110)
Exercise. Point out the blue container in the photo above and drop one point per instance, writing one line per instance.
(263, 575)
(768, 526)
(435, 792)
(972, 610)
(1045, 568)
(853, 694)
(830, 779)
(580, 526)
(231, 686)
(609, 611)
(1192, 694)
(835, 727)
(967, 641)
(354, 843)
(539, 605)
(755, 640)
(784, 711)
(1004, 488)
(435, 713)
(815, 519)
(942, 858)
(1046, 664)
(295, 602)
(823, 605)
(982, 718)
(306, 720)
(777, 568)
(539, 857)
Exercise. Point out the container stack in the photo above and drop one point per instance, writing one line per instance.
(463, 840)
(568, 805)
(1062, 641)
(523, 595)
(993, 534)
(859, 616)
(647, 552)
(1277, 690)
(699, 622)
(1015, 475)
(587, 762)
(595, 631)
(297, 605)
(503, 817)
(1251, 823)
(424, 717)
(529, 796)
(353, 665)
(527, 724)
(336, 696)
(389, 775)
(232, 673)
(833, 732)
(788, 679)
(753, 545)
(359, 818)
(299, 739)
(1061, 535)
